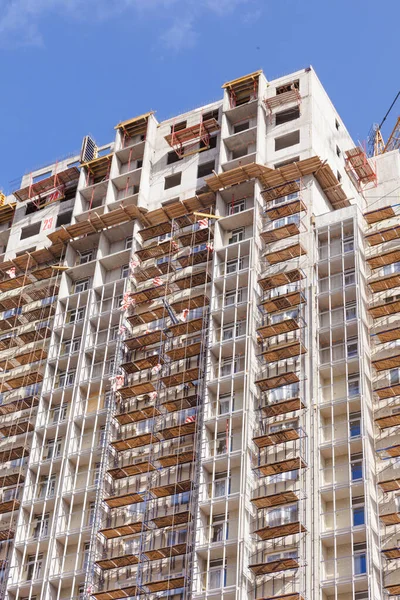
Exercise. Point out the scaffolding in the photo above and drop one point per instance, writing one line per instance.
(26, 318)
(280, 442)
(193, 139)
(159, 413)
(243, 90)
(382, 256)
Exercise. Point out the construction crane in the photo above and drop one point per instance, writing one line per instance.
(376, 145)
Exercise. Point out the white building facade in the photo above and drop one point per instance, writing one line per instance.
(200, 373)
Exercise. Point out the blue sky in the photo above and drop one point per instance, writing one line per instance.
(72, 67)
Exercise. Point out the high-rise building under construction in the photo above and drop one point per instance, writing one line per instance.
(200, 362)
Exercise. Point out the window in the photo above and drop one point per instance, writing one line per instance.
(234, 297)
(30, 208)
(128, 242)
(178, 126)
(72, 345)
(348, 245)
(228, 331)
(352, 348)
(205, 169)
(284, 116)
(91, 513)
(243, 126)
(337, 124)
(339, 177)
(216, 574)
(234, 265)
(225, 403)
(221, 443)
(86, 555)
(30, 231)
(355, 424)
(10, 494)
(338, 151)
(107, 399)
(81, 285)
(394, 376)
(237, 235)
(64, 218)
(219, 528)
(360, 558)
(356, 466)
(47, 486)
(229, 366)
(53, 448)
(392, 268)
(353, 386)
(41, 528)
(221, 484)
(172, 157)
(66, 379)
(236, 207)
(351, 312)
(285, 141)
(102, 436)
(292, 85)
(282, 515)
(172, 181)
(96, 474)
(349, 278)
(212, 114)
(34, 565)
(286, 221)
(358, 510)
(124, 271)
(212, 143)
(85, 257)
(76, 315)
(59, 414)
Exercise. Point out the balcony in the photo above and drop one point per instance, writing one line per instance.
(264, 566)
(283, 466)
(283, 351)
(280, 278)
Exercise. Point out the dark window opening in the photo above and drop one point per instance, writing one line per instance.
(31, 230)
(69, 194)
(287, 115)
(241, 127)
(338, 151)
(212, 143)
(285, 141)
(287, 87)
(178, 126)
(172, 157)
(205, 169)
(212, 114)
(337, 124)
(172, 181)
(339, 177)
(31, 207)
(64, 218)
